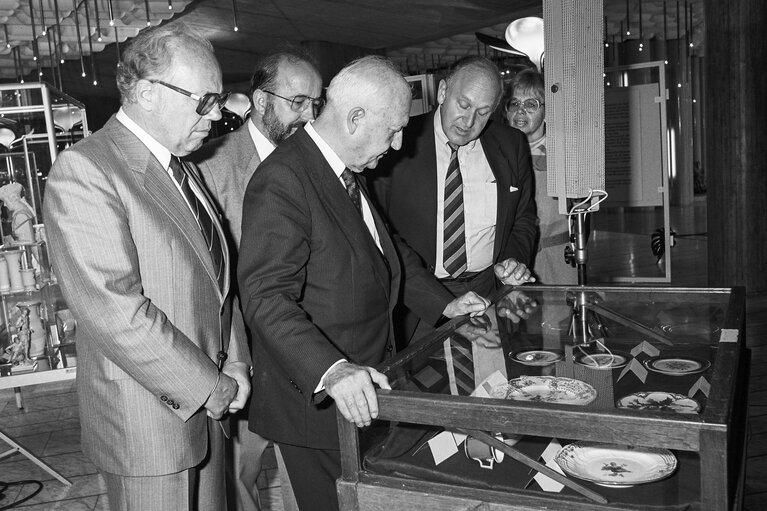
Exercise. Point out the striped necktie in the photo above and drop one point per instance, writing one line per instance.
(454, 240)
(460, 366)
(352, 188)
(209, 231)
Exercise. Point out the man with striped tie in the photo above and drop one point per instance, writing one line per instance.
(144, 267)
(460, 191)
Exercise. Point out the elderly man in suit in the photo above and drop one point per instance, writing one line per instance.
(460, 191)
(285, 93)
(319, 276)
(140, 253)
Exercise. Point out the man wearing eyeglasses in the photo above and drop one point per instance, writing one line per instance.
(460, 191)
(143, 265)
(284, 93)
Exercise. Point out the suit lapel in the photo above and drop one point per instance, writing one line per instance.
(245, 150)
(162, 191)
(498, 163)
(423, 170)
(215, 216)
(348, 219)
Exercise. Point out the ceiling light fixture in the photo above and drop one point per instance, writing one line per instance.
(526, 36)
(42, 18)
(79, 39)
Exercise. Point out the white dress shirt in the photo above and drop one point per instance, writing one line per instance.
(264, 146)
(163, 155)
(338, 168)
(480, 201)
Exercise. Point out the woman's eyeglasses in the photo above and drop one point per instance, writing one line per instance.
(301, 102)
(205, 103)
(529, 105)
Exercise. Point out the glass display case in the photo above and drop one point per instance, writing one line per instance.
(570, 398)
(36, 122)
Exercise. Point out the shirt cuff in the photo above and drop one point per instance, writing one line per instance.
(321, 385)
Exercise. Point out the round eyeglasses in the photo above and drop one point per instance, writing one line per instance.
(205, 103)
(301, 102)
(529, 105)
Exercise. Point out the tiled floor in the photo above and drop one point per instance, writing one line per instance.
(49, 426)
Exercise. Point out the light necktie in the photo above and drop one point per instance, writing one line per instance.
(352, 188)
(209, 231)
(454, 240)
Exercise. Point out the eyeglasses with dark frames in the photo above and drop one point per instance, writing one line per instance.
(301, 102)
(530, 106)
(205, 103)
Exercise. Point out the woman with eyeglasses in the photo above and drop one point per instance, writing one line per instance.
(525, 110)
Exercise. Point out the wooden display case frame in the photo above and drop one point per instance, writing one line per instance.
(717, 434)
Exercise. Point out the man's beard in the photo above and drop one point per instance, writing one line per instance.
(276, 131)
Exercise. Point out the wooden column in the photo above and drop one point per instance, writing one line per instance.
(735, 141)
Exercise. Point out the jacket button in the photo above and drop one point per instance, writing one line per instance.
(170, 402)
(389, 348)
(163, 398)
(176, 406)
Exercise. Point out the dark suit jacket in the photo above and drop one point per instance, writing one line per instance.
(315, 289)
(406, 189)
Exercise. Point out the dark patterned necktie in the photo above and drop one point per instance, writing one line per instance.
(209, 231)
(454, 240)
(352, 188)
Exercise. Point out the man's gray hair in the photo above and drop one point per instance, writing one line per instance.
(150, 55)
(368, 77)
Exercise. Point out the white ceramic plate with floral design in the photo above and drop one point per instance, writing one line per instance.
(613, 360)
(616, 466)
(546, 389)
(677, 366)
(659, 402)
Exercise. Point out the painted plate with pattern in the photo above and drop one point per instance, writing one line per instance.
(616, 466)
(659, 402)
(546, 389)
(530, 357)
(613, 360)
(677, 366)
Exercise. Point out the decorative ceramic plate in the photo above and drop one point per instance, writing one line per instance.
(536, 357)
(677, 366)
(546, 389)
(611, 360)
(659, 402)
(616, 466)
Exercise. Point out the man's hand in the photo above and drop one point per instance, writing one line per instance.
(513, 273)
(222, 395)
(516, 306)
(481, 330)
(351, 386)
(469, 303)
(241, 374)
